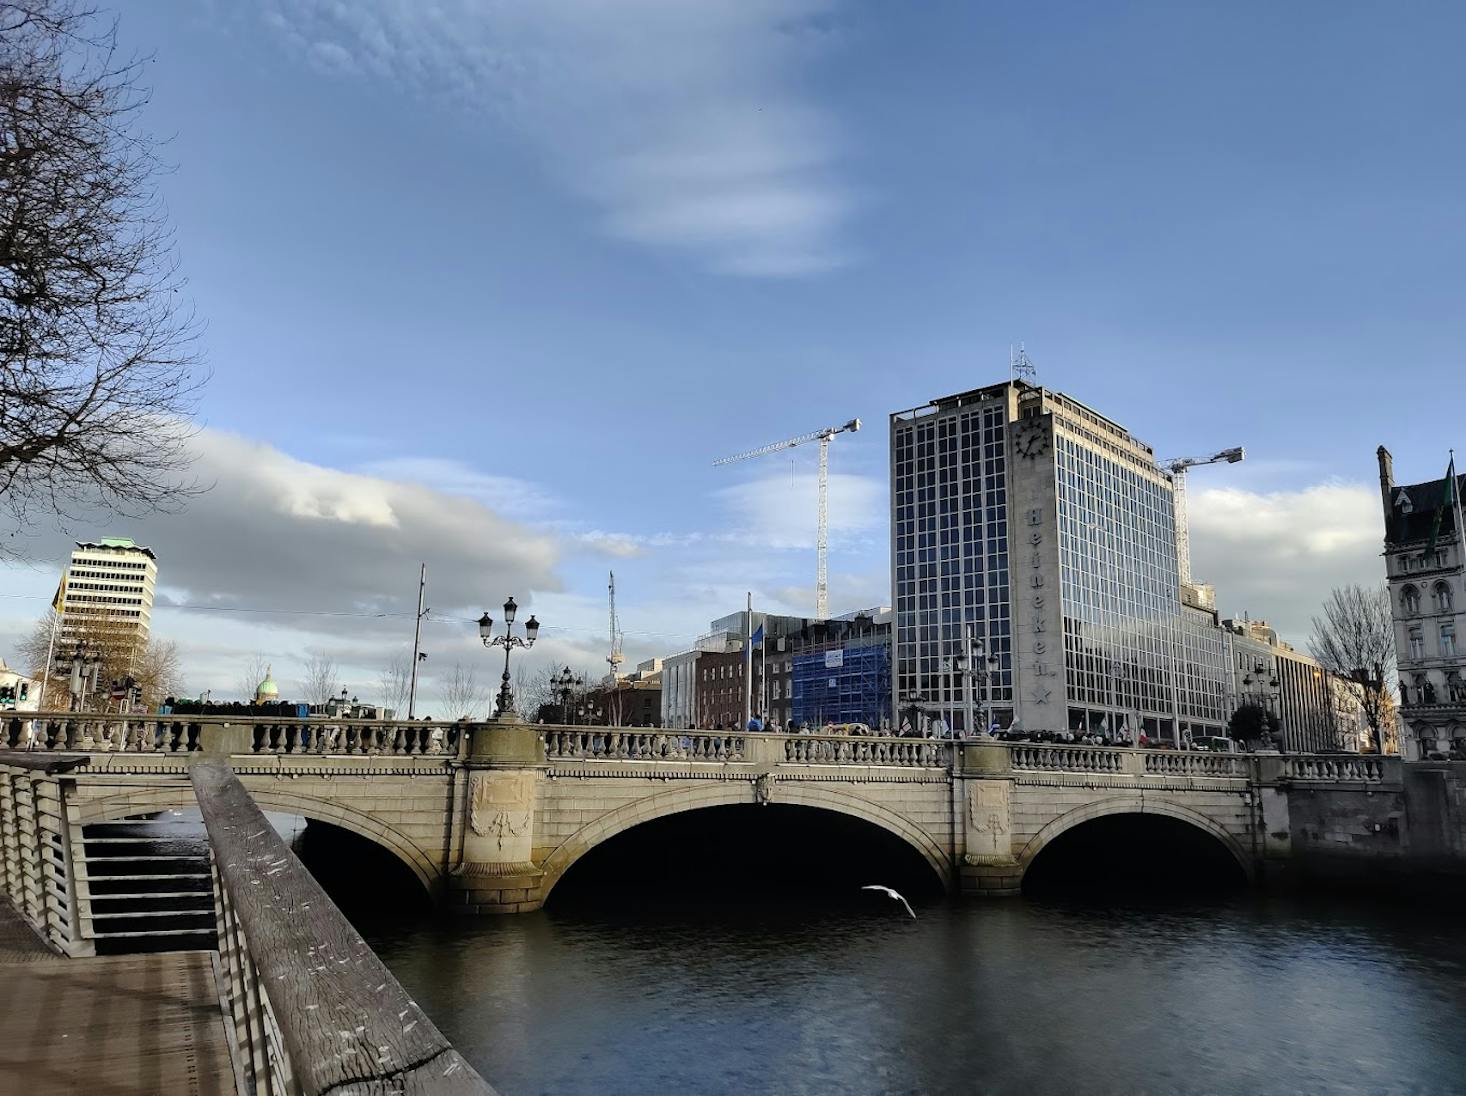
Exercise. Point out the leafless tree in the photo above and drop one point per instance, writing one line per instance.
(255, 671)
(462, 696)
(153, 663)
(97, 362)
(1355, 639)
(322, 679)
(394, 683)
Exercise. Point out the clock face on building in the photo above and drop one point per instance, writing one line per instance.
(1031, 438)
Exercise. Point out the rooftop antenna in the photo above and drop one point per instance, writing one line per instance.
(1020, 366)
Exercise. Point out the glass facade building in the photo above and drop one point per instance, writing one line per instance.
(1030, 521)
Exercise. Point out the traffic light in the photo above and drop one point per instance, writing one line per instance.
(25, 690)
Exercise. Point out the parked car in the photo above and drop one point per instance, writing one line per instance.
(1215, 744)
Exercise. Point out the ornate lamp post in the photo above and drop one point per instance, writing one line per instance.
(565, 684)
(975, 664)
(504, 704)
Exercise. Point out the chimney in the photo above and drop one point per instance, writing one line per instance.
(1386, 485)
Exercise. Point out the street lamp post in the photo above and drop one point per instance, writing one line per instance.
(504, 704)
(565, 684)
(975, 663)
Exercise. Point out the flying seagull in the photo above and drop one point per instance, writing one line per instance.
(889, 893)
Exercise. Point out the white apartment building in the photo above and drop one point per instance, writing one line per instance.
(110, 586)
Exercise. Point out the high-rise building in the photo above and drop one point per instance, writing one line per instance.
(1426, 569)
(1048, 532)
(110, 585)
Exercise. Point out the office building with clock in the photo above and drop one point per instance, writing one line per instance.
(1028, 521)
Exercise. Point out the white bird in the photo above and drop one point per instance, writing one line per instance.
(889, 893)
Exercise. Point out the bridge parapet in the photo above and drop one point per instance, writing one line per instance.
(1335, 768)
(756, 747)
(89, 732)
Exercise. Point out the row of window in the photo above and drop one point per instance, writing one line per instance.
(113, 563)
(1446, 637)
(1441, 599)
(137, 582)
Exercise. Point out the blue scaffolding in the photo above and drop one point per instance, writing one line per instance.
(843, 683)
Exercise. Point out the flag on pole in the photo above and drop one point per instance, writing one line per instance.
(60, 599)
(757, 637)
(1448, 499)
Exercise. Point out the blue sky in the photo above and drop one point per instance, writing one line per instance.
(531, 267)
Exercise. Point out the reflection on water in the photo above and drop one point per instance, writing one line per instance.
(1245, 994)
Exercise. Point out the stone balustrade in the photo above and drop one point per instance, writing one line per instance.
(641, 744)
(862, 750)
(101, 733)
(1189, 763)
(1334, 768)
(1070, 759)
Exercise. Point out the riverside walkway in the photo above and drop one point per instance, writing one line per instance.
(111, 1025)
(290, 1001)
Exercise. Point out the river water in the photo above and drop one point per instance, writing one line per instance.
(1236, 993)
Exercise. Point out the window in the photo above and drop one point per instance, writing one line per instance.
(1441, 597)
(1448, 640)
(1417, 643)
(1410, 600)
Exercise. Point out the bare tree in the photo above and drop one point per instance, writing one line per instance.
(153, 663)
(394, 683)
(462, 696)
(255, 672)
(1355, 639)
(322, 679)
(96, 355)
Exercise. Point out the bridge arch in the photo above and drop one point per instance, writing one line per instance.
(133, 801)
(734, 793)
(1134, 803)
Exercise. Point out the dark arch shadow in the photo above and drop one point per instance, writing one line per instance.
(1118, 854)
(744, 855)
(365, 879)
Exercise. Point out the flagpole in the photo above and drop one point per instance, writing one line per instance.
(763, 678)
(748, 663)
(56, 609)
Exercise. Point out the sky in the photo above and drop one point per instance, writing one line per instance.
(491, 285)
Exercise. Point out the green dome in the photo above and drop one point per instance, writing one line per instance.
(267, 689)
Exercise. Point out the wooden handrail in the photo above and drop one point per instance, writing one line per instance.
(345, 1022)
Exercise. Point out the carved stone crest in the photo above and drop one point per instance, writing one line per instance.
(763, 790)
(501, 804)
(988, 818)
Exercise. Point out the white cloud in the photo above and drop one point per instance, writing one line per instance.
(781, 511)
(332, 555)
(1276, 555)
(518, 498)
(681, 121)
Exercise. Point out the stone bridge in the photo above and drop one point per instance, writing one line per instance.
(490, 817)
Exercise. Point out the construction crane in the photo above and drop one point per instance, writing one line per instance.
(822, 546)
(615, 658)
(1178, 469)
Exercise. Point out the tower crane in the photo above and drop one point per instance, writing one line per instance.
(615, 658)
(821, 586)
(1178, 469)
